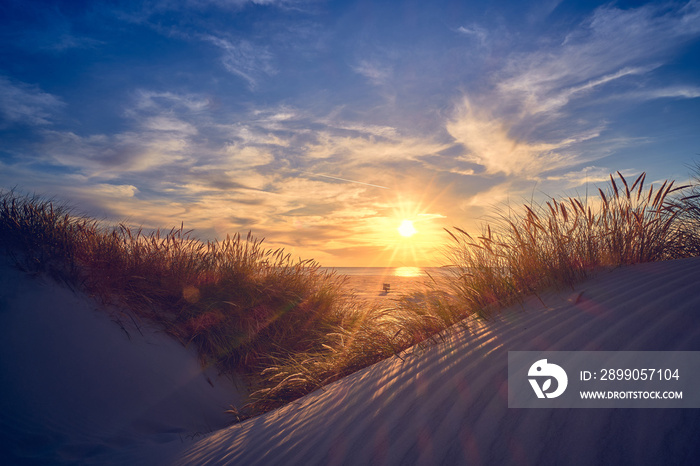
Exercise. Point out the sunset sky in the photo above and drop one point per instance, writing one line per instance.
(323, 126)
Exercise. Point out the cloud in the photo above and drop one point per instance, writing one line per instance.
(25, 104)
(171, 124)
(110, 155)
(44, 30)
(376, 73)
(538, 99)
(241, 157)
(589, 174)
(671, 92)
(250, 133)
(249, 61)
(612, 45)
(427, 217)
(161, 132)
(363, 128)
(497, 195)
(227, 4)
(70, 41)
(159, 101)
(525, 126)
(489, 144)
(475, 31)
(369, 149)
(55, 39)
(112, 191)
(346, 180)
(146, 11)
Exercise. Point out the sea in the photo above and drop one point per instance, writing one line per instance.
(384, 283)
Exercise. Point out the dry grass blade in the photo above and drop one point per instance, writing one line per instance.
(624, 181)
(614, 186)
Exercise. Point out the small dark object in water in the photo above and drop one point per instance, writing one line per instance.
(386, 287)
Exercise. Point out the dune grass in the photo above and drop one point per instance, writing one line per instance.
(233, 300)
(560, 242)
(292, 328)
(520, 254)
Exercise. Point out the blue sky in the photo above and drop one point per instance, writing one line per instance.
(321, 126)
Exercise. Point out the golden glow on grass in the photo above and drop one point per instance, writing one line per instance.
(406, 229)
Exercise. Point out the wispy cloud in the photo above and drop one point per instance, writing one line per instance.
(538, 96)
(151, 100)
(112, 155)
(376, 73)
(670, 92)
(143, 12)
(23, 103)
(161, 132)
(475, 31)
(363, 128)
(68, 41)
(588, 174)
(47, 30)
(611, 55)
(245, 59)
(224, 4)
(489, 144)
(247, 156)
(612, 45)
(346, 180)
(368, 149)
(169, 123)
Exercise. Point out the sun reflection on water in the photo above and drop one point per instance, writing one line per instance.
(408, 272)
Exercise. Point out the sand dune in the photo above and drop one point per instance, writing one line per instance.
(77, 388)
(443, 405)
(448, 404)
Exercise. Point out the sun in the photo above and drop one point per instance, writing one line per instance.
(406, 229)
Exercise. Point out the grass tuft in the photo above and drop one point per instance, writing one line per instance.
(233, 300)
(563, 241)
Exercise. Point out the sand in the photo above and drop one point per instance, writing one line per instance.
(76, 387)
(443, 405)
